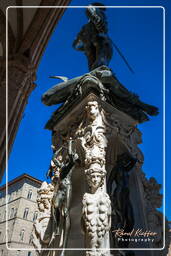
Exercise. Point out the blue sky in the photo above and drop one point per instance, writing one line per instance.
(139, 34)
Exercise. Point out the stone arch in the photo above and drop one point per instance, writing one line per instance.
(23, 60)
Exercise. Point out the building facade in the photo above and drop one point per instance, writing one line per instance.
(20, 213)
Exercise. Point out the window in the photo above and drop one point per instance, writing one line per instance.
(10, 197)
(22, 235)
(25, 215)
(15, 212)
(29, 254)
(35, 215)
(12, 213)
(31, 239)
(29, 195)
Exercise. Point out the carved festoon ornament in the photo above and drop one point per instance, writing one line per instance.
(91, 135)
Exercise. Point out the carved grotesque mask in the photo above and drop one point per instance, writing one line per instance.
(95, 180)
(95, 176)
(92, 110)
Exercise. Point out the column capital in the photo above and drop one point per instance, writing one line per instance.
(20, 69)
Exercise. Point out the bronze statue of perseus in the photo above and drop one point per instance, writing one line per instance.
(93, 38)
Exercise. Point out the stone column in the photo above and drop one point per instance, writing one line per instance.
(20, 81)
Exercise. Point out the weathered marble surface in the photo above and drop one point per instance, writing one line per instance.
(97, 123)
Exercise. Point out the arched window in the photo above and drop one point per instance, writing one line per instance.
(15, 212)
(22, 235)
(35, 215)
(29, 254)
(25, 215)
(29, 195)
